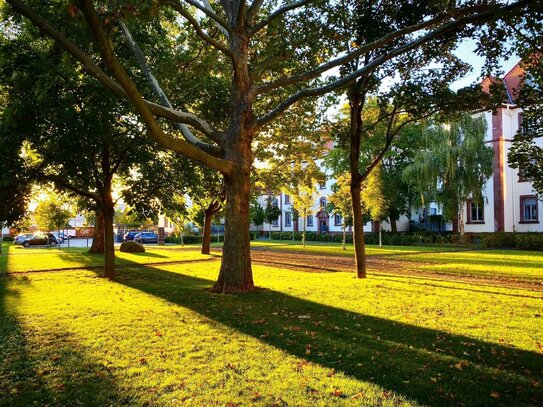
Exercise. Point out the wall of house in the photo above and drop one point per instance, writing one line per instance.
(504, 190)
(322, 192)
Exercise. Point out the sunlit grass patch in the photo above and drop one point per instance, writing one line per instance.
(156, 336)
(492, 263)
(337, 249)
(19, 259)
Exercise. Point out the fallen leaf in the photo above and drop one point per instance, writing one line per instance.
(259, 321)
(358, 395)
(495, 395)
(336, 393)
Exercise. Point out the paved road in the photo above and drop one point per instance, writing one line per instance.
(83, 242)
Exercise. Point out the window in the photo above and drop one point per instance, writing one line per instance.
(528, 209)
(288, 219)
(338, 221)
(287, 199)
(275, 222)
(322, 203)
(475, 212)
(309, 221)
(323, 185)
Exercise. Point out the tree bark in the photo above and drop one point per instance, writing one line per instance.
(209, 212)
(344, 237)
(356, 102)
(98, 237)
(236, 275)
(358, 230)
(393, 225)
(109, 258)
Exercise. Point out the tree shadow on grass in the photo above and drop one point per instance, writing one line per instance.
(432, 282)
(4, 258)
(50, 369)
(426, 365)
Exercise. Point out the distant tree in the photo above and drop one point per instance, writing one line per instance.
(271, 212)
(452, 165)
(258, 215)
(373, 198)
(175, 208)
(53, 212)
(68, 131)
(340, 202)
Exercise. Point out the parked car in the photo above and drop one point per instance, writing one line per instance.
(146, 237)
(59, 236)
(40, 239)
(130, 235)
(19, 238)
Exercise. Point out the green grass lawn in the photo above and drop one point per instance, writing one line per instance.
(156, 336)
(512, 264)
(336, 249)
(22, 259)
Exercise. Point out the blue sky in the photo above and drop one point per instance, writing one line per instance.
(466, 51)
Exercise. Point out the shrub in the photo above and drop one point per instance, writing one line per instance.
(132, 247)
(8, 238)
(498, 239)
(529, 241)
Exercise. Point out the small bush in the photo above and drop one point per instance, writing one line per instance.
(529, 241)
(8, 238)
(132, 247)
(498, 240)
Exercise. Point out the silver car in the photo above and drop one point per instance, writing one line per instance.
(23, 236)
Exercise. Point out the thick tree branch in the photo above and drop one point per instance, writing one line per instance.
(208, 11)
(390, 137)
(154, 130)
(515, 8)
(199, 31)
(142, 60)
(93, 69)
(279, 12)
(461, 17)
(253, 10)
(240, 13)
(63, 184)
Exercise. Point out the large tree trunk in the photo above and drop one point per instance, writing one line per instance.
(98, 237)
(107, 207)
(344, 236)
(393, 225)
(356, 104)
(109, 258)
(236, 274)
(358, 230)
(210, 211)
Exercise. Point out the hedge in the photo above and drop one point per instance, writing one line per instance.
(509, 240)
(524, 241)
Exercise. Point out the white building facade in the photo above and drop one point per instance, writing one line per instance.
(318, 220)
(510, 202)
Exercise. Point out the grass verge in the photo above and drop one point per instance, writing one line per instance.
(156, 336)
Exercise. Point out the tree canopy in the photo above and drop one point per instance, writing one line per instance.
(269, 56)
